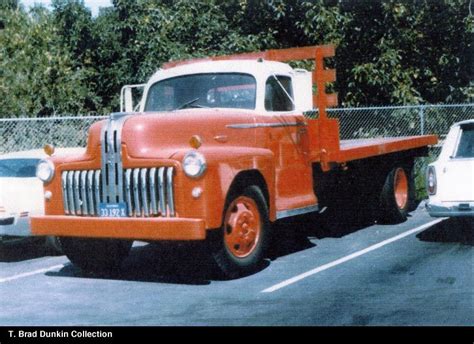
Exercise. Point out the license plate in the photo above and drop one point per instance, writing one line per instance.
(113, 209)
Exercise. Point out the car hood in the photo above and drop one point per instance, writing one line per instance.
(18, 195)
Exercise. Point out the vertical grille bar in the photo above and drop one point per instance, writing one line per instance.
(104, 156)
(128, 192)
(97, 189)
(143, 186)
(90, 191)
(70, 192)
(65, 192)
(77, 191)
(152, 188)
(111, 159)
(161, 190)
(77, 199)
(136, 192)
(85, 206)
(169, 190)
(111, 166)
(118, 182)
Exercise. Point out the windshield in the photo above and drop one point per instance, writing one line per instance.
(213, 90)
(18, 168)
(466, 143)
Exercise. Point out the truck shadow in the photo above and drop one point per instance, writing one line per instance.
(21, 250)
(296, 234)
(190, 263)
(452, 230)
(158, 263)
(164, 262)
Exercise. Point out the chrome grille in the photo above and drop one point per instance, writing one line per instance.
(147, 192)
(111, 158)
(81, 192)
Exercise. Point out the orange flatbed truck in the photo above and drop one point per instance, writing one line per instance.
(218, 150)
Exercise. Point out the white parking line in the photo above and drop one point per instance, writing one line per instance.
(26, 274)
(349, 257)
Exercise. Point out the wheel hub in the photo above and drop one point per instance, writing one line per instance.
(242, 226)
(401, 188)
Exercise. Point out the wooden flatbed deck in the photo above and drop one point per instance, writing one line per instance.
(366, 148)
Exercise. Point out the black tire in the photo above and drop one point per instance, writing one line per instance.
(393, 211)
(96, 255)
(412, 201)
(231, 263)
(53, 245)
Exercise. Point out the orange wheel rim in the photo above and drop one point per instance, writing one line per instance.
(242, 226)
(401, 188)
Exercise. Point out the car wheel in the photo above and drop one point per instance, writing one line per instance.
(96, 255)
(395, 196)
(242, 240)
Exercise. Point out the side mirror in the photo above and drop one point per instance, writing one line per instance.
(126, 97)
(128, 100)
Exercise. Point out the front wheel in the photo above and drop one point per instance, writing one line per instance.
(241, 242)
(395, 195)
(96, 255)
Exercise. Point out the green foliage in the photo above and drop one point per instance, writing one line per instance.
(404, 51)
(9, 4)
(37, 74)
(389, 52)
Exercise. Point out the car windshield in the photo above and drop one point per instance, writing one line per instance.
(466, 143)
(18, 168)
(213, 90)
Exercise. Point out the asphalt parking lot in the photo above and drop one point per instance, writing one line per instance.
(416, 273)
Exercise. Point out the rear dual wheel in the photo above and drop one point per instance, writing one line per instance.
(242, 240)
(396, 196)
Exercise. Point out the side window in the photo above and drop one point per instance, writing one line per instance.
(278, 92)
(466, 143)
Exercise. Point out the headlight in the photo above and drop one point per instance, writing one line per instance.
(194, 164)
(45, 171)
(431, 180)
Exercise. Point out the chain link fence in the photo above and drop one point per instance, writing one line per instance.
(17, 134)
(393, 121)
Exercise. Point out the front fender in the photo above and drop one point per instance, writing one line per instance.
(223, 165)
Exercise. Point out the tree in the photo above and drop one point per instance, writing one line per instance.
(388, 51)
(74, 24)
(37, 77)
(403, 51)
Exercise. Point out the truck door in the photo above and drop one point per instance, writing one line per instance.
(285, 136)
(456, 177)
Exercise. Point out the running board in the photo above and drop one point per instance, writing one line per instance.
(298, 211)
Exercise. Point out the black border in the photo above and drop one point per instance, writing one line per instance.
(316, 334)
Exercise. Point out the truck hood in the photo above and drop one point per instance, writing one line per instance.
(161, 135)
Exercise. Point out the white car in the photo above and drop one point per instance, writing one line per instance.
(450, 179)
(21, 193)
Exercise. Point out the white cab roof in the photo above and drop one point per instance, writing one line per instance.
(252, 67)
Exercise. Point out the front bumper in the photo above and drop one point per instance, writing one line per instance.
(450, 209)
(159, 228)
(15, 226)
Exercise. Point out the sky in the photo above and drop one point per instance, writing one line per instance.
(92, 4)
